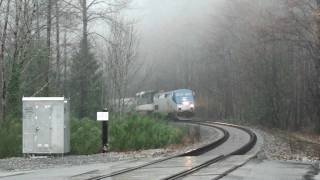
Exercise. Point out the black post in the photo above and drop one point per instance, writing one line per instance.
(104, 135)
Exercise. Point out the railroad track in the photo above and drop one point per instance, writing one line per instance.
(241, 150)
(236, 140)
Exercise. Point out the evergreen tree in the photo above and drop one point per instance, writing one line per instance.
(85, 84)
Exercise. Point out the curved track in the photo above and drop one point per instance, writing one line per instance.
(236, 140)
(233, 146)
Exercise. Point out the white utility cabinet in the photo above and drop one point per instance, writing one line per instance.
(46, 125)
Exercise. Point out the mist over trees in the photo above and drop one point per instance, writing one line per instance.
(48, 49)
(248, 60)
(120, 62)
(254, 61)
(263, 68)
(264, 64)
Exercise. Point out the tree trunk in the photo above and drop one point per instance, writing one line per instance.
(317, 66)
(65, 63)
(58, 47)
(46, 90)
(38, 23)
(84, 26)
(84, 53)
(2, 66)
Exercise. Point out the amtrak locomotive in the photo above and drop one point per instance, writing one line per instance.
(178, 102)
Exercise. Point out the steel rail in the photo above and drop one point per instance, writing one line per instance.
(193, 152)
(210, 146)
(240, 151)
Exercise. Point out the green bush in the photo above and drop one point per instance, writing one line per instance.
(85, 136)
(137, 132)
(11, 138)
(132, 132)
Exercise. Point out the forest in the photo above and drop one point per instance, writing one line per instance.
(251, 60)
(47, 49)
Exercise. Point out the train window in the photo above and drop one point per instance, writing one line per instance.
(184, 94)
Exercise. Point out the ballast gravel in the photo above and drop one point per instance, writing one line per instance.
(280, 145)
(31, 163)
(19, 163)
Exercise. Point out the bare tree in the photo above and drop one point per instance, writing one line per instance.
(58, 54)
(317, 62)
(2, 64)
(48, 60)
(122, 52)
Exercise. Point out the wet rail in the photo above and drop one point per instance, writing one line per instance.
(238, 151)
(194, 153)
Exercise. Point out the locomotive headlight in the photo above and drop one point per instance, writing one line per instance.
(185, 103)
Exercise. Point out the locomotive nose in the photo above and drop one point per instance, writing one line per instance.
(186, 106)
(185, 103)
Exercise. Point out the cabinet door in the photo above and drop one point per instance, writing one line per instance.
(43, 128)
(28, 129)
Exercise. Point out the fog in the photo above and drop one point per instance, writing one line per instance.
(163, 24)
(168, 29)
(253, 60)
(245, 59)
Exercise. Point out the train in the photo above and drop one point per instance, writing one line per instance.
(179, 102)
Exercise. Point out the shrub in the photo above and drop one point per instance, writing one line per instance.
(11, 138)
(138, 132)
(85, 136)
(132, 132)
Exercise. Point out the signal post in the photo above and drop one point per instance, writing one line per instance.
(104, 117)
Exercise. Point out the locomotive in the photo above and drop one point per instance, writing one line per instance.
(178, 102)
